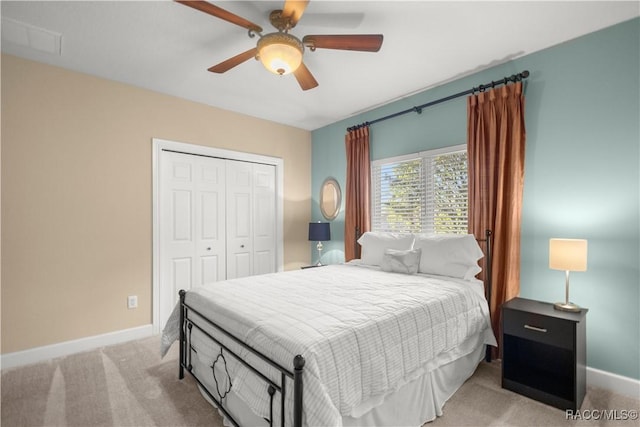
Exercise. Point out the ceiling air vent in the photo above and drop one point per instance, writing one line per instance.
(22, 34)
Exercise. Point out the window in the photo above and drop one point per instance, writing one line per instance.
(423, 192)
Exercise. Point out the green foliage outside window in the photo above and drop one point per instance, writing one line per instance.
(424, 194)
(403, 209)
(451, 193)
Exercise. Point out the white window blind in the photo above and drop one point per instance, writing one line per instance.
(424, 192)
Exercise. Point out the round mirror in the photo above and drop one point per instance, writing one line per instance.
(330, 198)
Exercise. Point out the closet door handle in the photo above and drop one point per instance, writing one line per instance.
(242, 246)
(208, 249)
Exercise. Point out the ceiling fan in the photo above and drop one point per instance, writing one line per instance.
(281, 52)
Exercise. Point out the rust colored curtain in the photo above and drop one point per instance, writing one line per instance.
(495, 148)
(357, 206)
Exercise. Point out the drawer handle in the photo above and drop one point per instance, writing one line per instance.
(535, 328)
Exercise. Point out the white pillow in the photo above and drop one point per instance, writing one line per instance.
(453, 255)
(374, 243)
(401, 261)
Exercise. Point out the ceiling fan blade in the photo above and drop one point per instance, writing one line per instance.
(334, 20)
(305, 78)
(293, 10)
(232, 62)
(218, 12)
(361, 42)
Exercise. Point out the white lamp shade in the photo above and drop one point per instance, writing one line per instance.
(568, 254)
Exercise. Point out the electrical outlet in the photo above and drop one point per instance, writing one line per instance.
(132, 301)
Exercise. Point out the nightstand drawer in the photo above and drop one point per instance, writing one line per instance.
(539, 328)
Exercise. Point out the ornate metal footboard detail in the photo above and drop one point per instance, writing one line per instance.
(187, 324)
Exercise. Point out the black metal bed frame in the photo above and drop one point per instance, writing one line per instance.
(187, 324)
(487, 271)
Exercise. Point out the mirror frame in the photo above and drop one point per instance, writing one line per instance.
(338, 202)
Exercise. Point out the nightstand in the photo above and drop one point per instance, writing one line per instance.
(544, 352)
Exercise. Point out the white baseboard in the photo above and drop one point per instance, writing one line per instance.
(614, 382)
(48, 352)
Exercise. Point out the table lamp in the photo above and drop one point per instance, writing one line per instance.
(568, 255)
(319, 232)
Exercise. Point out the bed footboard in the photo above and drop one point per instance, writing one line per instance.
(188, 323)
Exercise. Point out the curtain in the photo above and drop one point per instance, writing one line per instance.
(495, 148)
(357, 206)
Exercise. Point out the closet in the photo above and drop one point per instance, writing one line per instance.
(216, 220)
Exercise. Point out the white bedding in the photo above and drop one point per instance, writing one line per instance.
(363, 332)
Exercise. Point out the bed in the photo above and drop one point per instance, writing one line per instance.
(383, 340)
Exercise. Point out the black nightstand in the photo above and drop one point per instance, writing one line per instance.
(544, 352)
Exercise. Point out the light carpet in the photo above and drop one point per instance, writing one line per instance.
(129, 385)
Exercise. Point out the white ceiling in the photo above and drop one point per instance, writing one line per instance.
(167, 47)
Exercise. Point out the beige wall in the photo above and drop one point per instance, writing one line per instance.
(76, 196)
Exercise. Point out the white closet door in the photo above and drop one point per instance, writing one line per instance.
(192, 218)
(210, 230)
(239, 223)
(264, 219)
(251, 219)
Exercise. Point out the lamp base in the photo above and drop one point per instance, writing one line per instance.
(567, 306)
(319, 247)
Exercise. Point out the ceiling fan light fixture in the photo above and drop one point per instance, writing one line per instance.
(280, 53)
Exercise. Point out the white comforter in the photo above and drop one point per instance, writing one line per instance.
(363, 332)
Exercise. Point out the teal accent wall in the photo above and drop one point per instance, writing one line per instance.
(582, 175)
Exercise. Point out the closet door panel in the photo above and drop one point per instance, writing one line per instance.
(264, 219)
(181, 213)
(209, 266)
(182, 275)
(176, 229)
(191, 221)
(241, 265)
(239, 224)
(211, 238)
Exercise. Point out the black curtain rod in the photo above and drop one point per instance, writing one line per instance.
(513, 78)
